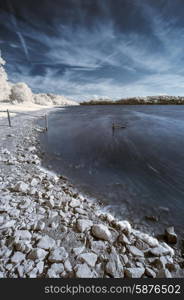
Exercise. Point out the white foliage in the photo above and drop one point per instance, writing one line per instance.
(4, 85)
(20, 93)
(51, 99)
(42, 99)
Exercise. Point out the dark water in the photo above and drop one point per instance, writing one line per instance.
(133, 170)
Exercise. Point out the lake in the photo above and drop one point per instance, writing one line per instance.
(136, 171)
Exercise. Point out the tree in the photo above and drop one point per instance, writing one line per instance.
(4, 85)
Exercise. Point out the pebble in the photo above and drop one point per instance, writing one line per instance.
(46, 242)
(83, 224)
(58, 255)
(37, 253)
(102, 232)
(134, 272)
(89, 258)
(83, 271)
(17, 257)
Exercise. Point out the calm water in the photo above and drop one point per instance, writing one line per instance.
(134, 170)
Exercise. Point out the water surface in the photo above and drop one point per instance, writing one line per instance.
(133, 170)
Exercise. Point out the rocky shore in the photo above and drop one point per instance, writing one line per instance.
(50, 230)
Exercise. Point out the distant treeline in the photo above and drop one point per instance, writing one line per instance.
(150, 100)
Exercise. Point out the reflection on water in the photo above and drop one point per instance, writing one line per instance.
(136, 169)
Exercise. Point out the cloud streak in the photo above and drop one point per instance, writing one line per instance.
(101, 55)
(15, 25)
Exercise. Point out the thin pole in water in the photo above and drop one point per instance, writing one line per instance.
(9, 120)
(46, 122)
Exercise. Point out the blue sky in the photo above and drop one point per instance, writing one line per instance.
(95, 48)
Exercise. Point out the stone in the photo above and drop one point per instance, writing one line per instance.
(114, 269)
(83, 271)
(150, 273)
(21, 187)
(75, 203)
(68, 266)
(83, 224)
(34, 182)
(8, 224)
(46, 242)
(124, 226)
(135, 251)
(89, 258)
(101, 231)
(17, 257)
(33, 273)
(80, 211)
(37, 253)
(22, 235)
(161, 250)
(171, 235)
(98, 246)
(55, 270)
(134, 272)
(78, 250)
(123, 239)
(58, 255)
(152, 242)
(40, 267)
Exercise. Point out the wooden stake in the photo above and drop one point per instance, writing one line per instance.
(9, 120)
(46, 122)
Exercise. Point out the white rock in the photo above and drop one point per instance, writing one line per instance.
(152, 242)
(80, 211)
(98, 246)
(52, 274)
(8, 224)
(89, 258)
(17, 257)
(55, 270)
(32, 149)
(34, 182)
(46, 243)
(33, 273)
(83, 224)
(83, 271)
(78, 250)
(150, 273)
(163, 249)
(68, 266)
(1, 219)
(124, 226)
(74, 203)
(22, 234)
(134, 272)
(37, 253)
(28, 265)
(58, 255)
(21, 187)
(40, 267)
(101, 231)
(135, 251)
(124, 240)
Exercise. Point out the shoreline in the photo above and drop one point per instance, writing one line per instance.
(50, 230)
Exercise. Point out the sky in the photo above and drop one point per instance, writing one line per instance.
(88, 49)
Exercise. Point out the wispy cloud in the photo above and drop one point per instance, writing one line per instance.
(81, 60)
(18, 32)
